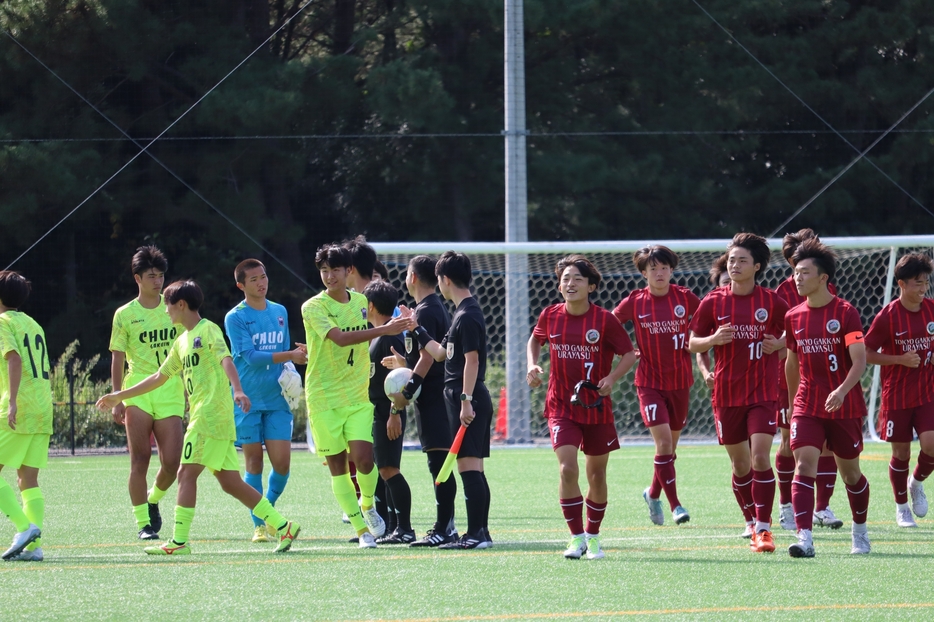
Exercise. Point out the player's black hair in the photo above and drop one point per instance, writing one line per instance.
(380, 269)
(757, 247)
(14, 289)
(334, 256)
(362, 256)
(147, 258)
(187, 291)
(383, 295)
(717, 269)
(455, 266)
(913, 265)
(243, 266)
(791, 241)
(655, 254)
(587, 269)
(423, 267)
(823, 256)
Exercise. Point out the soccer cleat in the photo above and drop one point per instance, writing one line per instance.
(919, 501)
(804, 547)
(655, 508)
(345, 519)
(26, 555)
(22, 540)
(749, 531)
(399, 536)
(786, 516)
(366, 541)
(169, 548)
(259, 534)
(467, 541)
(287, 535)
(435, 538)
(155, 518)
(593, 548)
(271, 531)
(826, 518)
(488, 537)
(763, 542)
(903, 517)
(374, 522)
(576, 548)
(148, 533)
(680, 515)
(860, 543)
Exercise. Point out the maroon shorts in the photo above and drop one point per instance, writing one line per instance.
(895, 426)
(844, 437)
(659, 406)
(736, 424)
(594, 439)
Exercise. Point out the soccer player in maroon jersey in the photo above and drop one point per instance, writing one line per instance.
(900, 340)
(826, 358)
(784, 460)
(744, 323)
(582, 338)
(661, 314)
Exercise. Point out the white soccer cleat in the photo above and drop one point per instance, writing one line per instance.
(21, 540)
(366, 541)
(786, 516)
(860, 543)
(656, 515)
(576, 548)
(374, 522)
(593, 548)
(804, 547)
(26, 555)
(919, 501)
(826, 518)
(749, 531)
(903, 517)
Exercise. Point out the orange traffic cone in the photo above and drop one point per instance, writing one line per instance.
(502, 416)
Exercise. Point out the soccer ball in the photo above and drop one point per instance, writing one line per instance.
(396, 381)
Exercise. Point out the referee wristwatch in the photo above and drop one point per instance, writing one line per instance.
(466, 398)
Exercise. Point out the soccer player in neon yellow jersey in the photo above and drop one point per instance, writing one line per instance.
(26, 421)
(140, 339)
(201, 356)
(337, 383)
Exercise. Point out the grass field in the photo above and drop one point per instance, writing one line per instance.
(94, 567)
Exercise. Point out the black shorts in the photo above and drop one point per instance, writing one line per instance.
(431, 420)
(476, 442)
(387, 453)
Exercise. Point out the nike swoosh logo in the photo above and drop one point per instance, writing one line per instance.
(901, 333)
(644, 316)
(904, 492)
(720, 319)
(669, 481)
(855, 444)
(798, 331)
(554, 336)
(610, 443)
(800, 513)
(863, 512)
(771, 423)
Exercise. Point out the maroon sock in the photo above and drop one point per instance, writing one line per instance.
(859, 499)
(898, 475)
(925, 466)
(802, 500)
(665, 474)
(595, 512)
(573, 510)
(655, 489)
(785, 470)
(826, 479)
(742, 488)
(763, 492)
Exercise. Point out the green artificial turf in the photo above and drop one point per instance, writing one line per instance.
(95, 568)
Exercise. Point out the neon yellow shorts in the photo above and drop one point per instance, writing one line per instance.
(213, 453)
(333, 429)
(18, 450)
(166, 401)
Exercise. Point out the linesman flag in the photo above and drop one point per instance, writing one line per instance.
(448, 465)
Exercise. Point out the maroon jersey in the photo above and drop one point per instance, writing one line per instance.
(581, 348)
(820, 338)
(895, 331)
(743, 373)
(661, 324)
(789, 293)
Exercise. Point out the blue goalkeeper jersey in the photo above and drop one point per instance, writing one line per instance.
(254, 337)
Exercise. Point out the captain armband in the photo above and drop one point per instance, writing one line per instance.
(854, 337)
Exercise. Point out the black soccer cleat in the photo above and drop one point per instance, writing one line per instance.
(435, 538)
(468, 541)
(155, 518)
(399, 536)
(148, 533)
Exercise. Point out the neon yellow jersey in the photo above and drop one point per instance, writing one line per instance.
(197, 355)
(21, 334)
(144, 335)
(335, 376)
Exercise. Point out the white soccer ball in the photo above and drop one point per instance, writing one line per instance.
(396, 381)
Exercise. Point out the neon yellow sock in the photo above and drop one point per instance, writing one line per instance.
(141, 513)
(367, 483)
(346, 497)
(9, 505)
(34, 509)
(183, 518)
(155, 495)
(265, 512)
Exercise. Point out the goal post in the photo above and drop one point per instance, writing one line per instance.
(865, 278)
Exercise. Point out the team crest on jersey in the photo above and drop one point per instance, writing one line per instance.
(592, 336)
(363, 313)
(679, 311)
(761, 315)
(408, 343)
(372, 369)
(931, 328)
(833, 327)
(197, 342)
(450, 350)
(281, 321)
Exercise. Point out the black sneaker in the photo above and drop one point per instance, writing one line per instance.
(487, 537)
(399, 536)
(148, 533)
(155, 518)
(468, 541)
(435, 538)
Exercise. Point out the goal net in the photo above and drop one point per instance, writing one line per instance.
(864, 278)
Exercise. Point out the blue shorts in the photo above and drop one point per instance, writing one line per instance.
(257, 426)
